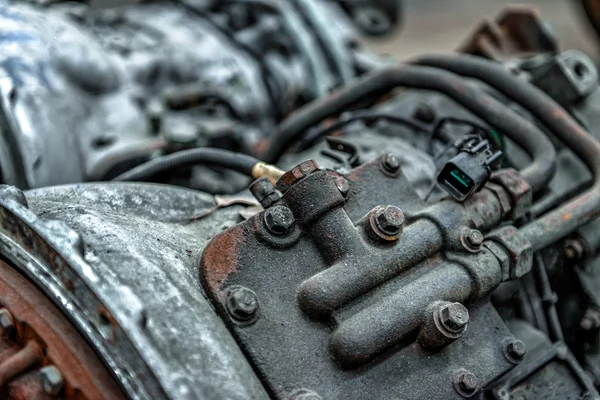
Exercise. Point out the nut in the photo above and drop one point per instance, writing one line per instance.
(516, 349)
(279, 220)
(517, 247)
(7, 323)
(391, 163)
(467, 382)
(503, 198)
(296, 174)
(263, 190)
(472, 239)
(517, 188)
(389, 220)
(454, 317)
(242, 304)
(52, 380)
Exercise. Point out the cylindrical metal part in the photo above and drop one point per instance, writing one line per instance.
(344, 281)
(385, 323)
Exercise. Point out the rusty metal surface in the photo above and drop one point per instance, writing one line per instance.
(353, 286)
(48, 339)
(518, 31)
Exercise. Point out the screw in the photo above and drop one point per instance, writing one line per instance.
(467, 382)
(424, 113)
(516, 349)
(297, 173)
(6, 321)
(391, 163)
(390, 220)
(242, 304)
(263, 190)
(279, 220)
(474, 238)
(52, 380)
(454, 317)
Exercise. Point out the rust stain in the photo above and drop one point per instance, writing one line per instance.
(220, 258)
(567, 217)
(43, 336)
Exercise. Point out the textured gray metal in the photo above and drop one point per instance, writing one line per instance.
(127, 280)
(114, 86)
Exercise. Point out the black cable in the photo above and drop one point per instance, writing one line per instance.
(241, 163)
(382, 81)
(365, 116)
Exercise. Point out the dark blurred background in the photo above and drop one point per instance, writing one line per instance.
(440, 25)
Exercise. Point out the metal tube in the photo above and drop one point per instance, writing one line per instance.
(566, 219)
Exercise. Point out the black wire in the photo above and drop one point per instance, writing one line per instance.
(385, 79)
(364, 116)
(200, 156)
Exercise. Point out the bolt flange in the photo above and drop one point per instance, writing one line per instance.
(242, 304)
(466, 383)
(472, 239)
(387, 222)
(279, 220)
(516, 349)
(454, 317)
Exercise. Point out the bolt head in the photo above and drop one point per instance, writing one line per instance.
(454, 317)
(475, 238)
(52, 380)
(467, 381)
(390, 220)
(279, 220)
(391, 163)
(242, 304)
(517, 349)
(297, 173)
(6, 321)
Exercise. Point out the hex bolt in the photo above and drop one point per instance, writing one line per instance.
(467, 382)
(7, 323)
(391, 163)
(389, 220)
(454, 317)
(52, 380)
(242, 304)
(474, 238)
(279, 220)
(424, 113)
(516, 349)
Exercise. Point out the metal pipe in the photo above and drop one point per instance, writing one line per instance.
(585, 208)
